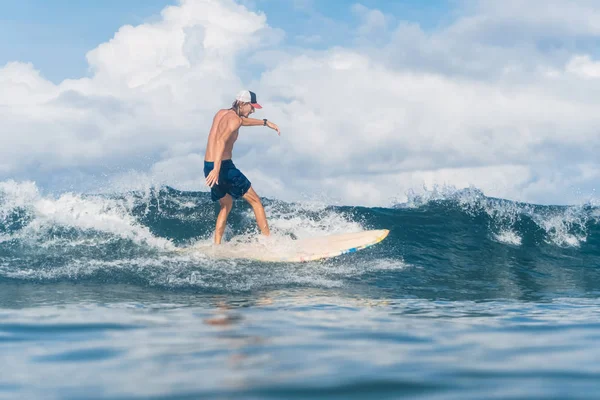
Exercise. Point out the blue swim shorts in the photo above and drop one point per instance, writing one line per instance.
(231, 180)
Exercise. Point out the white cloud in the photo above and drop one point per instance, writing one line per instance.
(473, 103)
(23, 85)
(153, 85)
(584, 66)
(372, 21)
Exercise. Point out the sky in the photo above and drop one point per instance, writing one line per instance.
(375, 99)
(55, 36)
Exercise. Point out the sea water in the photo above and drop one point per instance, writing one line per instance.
(469, 297)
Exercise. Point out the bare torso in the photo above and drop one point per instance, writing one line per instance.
(216, 133)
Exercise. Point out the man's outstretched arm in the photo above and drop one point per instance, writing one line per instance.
(259, 122)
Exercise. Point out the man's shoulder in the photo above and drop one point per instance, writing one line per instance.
(222, 112)
(227, 115)
(226, 112)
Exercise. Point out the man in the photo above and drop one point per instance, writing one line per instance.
(225, 180)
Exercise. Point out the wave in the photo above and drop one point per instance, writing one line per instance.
(508, 221)
(444, 243)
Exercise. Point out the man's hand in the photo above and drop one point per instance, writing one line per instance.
(212, 178)
(273, 126)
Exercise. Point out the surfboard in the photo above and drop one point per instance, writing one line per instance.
(301, 250)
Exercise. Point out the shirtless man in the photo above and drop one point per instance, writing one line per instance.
(225, 180)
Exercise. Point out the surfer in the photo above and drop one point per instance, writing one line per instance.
(226, 182)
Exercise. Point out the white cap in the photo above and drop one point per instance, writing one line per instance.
(247, 96)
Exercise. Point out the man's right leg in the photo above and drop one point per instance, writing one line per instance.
(226, 205)
(259, 212)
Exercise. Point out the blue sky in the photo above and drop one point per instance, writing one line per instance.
(400, 95)
(55, 35)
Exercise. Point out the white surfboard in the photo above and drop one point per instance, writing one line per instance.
(301, 250)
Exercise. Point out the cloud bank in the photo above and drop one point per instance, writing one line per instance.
(502, 98)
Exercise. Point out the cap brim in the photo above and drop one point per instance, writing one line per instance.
(256, 105)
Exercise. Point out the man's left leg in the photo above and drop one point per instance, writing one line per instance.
(226, 205)
(259, 212)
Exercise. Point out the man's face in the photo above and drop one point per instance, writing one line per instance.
(247, 109)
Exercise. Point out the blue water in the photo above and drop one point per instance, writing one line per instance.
(469, 297)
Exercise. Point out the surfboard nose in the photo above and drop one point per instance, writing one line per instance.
(384, 233)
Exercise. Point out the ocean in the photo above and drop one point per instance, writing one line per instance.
(469, 297)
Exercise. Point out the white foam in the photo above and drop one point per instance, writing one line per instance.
(358, 269)
(88, 215)
(114, 216)
(197, 270)
(508, 237)
(15, 195)
(176, 272)
(558, 227)
(564, 226)
(84, 213)
(465, 197)
(293, 219)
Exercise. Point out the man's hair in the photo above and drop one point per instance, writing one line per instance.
(235, 106)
